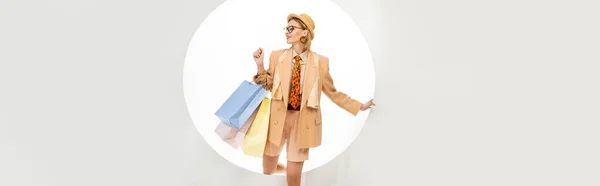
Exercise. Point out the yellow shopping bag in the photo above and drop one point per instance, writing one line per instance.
(256, 136)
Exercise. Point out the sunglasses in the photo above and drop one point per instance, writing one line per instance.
(291, 28)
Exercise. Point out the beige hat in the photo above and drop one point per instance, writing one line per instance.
(306, 20)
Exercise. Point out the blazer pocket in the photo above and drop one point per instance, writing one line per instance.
(318, 120)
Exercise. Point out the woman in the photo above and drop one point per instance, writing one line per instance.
(296, 77)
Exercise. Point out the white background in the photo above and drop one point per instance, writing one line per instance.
(220, 58)
(469, 93)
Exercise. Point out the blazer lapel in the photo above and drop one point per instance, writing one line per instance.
(285, 75)
(309, 78)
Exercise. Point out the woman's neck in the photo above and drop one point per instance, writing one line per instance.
(299, 48)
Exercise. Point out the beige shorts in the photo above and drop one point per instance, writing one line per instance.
(289, 137)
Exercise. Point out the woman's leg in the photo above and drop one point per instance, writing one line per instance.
(270, 165)
(272, 152)
(294, 173)
(295, 155)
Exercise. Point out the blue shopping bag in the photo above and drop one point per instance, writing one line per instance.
(241, 104)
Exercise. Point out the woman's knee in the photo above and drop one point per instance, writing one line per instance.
(294, 168)
(269, 165)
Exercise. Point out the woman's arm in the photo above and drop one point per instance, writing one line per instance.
(265, 77)
(339, 98)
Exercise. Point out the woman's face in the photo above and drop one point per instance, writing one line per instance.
(293, 32)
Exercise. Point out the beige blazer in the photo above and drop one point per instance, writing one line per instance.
(317, 80)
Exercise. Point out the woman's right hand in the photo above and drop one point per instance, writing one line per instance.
(259, 57)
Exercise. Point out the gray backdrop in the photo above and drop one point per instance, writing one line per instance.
(468, 92)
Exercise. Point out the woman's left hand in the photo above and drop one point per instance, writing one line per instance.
(367, 105)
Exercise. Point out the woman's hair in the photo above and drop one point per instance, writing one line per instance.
(309, 36)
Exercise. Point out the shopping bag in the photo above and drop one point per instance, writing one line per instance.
(232, 136)
(256, 136)
(241, 103)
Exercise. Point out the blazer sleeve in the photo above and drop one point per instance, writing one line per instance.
(339, 98)
(265, 78)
